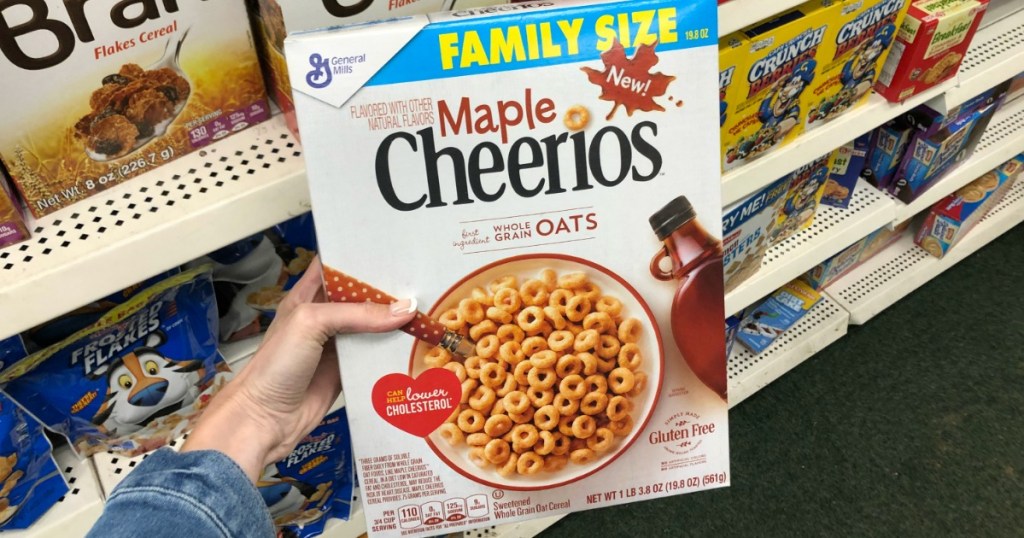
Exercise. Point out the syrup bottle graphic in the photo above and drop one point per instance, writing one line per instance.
(698, 307)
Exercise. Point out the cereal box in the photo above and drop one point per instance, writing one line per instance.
(732, 59)
(806, 187)
(12, 222)
(861, 35)
(940, 142)
(782, 55)
(886, 147)
(275, 19)
(95, 96)
(953, 216)
(542, 182)
(847, 165)
(746, 228)
(765, 322)
(835, 267)
(929, 47)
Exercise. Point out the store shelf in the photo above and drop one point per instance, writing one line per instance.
(998, 10)
(75, 513)
(759, 173)
(994, 56)
(749, 373)
(738, 14)
(903, 267)
(202, 201)
(1002, 140)
(833, 230)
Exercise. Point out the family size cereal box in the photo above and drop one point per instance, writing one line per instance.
(542, 182)
(782, 55)
(860, 37)
(746, 228)
(929, 47)
(953, 216)
(94, 96)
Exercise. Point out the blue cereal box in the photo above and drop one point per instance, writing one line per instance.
(502, 160)
(886, 147)
(775, 315)
(847, 165)
(746, 227)
(315, 482)
(30, 482)
(136, 378)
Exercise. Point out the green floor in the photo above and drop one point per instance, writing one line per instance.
(908, 426)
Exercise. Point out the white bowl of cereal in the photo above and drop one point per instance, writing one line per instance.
(568, 367)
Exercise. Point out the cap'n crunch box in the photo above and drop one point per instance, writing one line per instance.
(12, 223)
(862, 34)
(95, 96)
(732, 62)
(782, 55)
(799, 205)
(542, 182)
(929, 47)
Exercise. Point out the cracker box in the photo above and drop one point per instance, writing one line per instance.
(929, 47)
(862, 34)
(954, 216)
(783, 56)
(12, 222)
(806, 187)
(847, 165)
(95, 96)
(542, 182)
(765, 322)
(746, 227)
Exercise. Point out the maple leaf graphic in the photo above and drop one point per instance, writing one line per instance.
(629, 82)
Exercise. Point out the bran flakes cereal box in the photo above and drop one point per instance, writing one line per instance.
(542, 183)
(96, 96)
(929, 47)
(782, 59)
(12, 222)
(861, 37)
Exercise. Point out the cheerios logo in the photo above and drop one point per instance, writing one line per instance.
(320, 76)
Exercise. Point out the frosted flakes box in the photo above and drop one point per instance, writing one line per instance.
(134, 380)
(782, 57)
(746, 228)
(930, 45)
(314, 483)
(542, 182)
(861, 36)
(30, 482)
(96, 95)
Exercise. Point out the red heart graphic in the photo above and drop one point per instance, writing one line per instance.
(417, 406)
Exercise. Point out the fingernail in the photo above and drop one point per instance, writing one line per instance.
(403, 307)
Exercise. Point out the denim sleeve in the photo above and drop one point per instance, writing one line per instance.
(195, 494)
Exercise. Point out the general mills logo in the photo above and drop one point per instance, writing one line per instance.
(320, 76)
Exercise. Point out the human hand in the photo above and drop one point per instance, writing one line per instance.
(292, 380)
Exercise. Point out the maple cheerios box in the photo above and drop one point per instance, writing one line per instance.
(782, 61)
(95, 96)
(542, 182)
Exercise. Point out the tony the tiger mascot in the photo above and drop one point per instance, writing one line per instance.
(144, 385)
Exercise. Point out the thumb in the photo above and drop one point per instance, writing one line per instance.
(328, 319)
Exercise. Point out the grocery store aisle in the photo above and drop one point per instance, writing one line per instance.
(909, 426)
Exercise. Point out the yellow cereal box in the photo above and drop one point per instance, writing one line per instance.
(732, 59)
(95, 96)
(859, 41)
(783, 62)
(806, 187)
